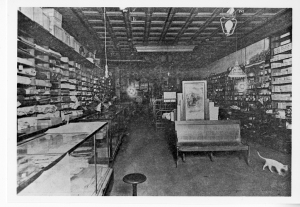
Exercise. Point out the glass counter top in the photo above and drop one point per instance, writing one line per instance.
(45, 150)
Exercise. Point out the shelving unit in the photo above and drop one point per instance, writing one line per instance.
(281, 65)
(159, 107)
(269, 88)
(54, 79)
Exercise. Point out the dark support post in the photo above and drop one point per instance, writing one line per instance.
(134, 189)
(176, 156)
(248, 156)
(211, 156)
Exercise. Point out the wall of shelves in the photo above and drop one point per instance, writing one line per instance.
(269, 89)
(54, 79)
(281, 64)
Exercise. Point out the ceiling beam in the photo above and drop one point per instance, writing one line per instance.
(193, 13)
(167, 24)
(216, 12)
(82, 20)
(148, 12)
(128, 27)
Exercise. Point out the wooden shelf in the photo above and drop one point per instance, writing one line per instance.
(44, 37)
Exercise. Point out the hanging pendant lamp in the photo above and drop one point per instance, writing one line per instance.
(228, 22)
(237, 72)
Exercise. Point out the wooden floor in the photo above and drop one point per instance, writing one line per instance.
(150, 152)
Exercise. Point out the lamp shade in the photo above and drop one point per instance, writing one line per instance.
(228, 25)
(237, 72)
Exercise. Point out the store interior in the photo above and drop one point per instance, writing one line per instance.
(154, 101)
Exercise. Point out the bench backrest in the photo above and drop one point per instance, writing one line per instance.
(208, 131)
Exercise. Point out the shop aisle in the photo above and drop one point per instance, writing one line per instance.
(149, 152)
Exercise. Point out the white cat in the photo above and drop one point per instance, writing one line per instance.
(270, 163)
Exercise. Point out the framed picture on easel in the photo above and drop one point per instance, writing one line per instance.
(194, 100)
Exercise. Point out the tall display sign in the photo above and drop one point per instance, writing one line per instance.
(194, 100)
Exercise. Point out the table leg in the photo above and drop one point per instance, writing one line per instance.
(248, 156)
(176, 157)
(211, 156)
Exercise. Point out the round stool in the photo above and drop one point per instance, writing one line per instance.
(134, 179)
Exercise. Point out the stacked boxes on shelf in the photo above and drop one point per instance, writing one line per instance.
(26, 75)
(47, 82)
(281, 64)
(65, 85)
(34, 83)
(56, 76)
(55, 17)
(51, 20)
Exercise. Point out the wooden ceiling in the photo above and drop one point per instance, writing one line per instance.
(167, 26)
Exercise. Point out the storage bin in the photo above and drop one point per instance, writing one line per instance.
(72, 43)
(54, 22)
(58, 33)
(53, 13)
(40, 82)
(27, 11)
(76, 46)
(65, 60)
(38, 15)
(66, 38)
(46, 22)
(49, 121)
(23, 80)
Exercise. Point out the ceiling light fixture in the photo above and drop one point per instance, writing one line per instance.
(106, 66)
(237, 72)
(178, 48)
(123, 8)
(228, 22)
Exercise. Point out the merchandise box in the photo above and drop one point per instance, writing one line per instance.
(27, 11)
(38, 15)
(76, 46)
(72, 41)
(58, 33)
(66, 37)
(53, 13)
(46, 22)
(49, 121)
(54, 22)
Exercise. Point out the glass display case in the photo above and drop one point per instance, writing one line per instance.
(61, 161)
(117, 125)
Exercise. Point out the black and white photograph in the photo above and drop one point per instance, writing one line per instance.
(154, 100)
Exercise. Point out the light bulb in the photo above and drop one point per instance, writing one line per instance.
(106, 71)
(123, 8)
(228, 26)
